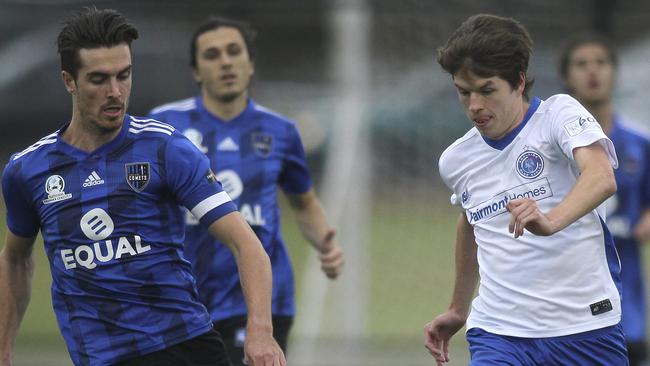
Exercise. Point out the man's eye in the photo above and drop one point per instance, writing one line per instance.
(211, 54)
(234, 50)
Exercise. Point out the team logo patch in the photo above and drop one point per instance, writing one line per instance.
(137, 175)
(578, 125)
(209, 175)
(55, 189)
(530, 164)
(262, 143)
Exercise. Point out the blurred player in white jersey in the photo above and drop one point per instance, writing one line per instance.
(588, 68)
(531, 178)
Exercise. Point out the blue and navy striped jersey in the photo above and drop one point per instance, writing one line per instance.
(251, 155)
(624, 210)
(113, 235)
(632, 178)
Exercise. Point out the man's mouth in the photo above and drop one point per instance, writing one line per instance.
(112, 110)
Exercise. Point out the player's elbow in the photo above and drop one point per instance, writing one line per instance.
(608, 183)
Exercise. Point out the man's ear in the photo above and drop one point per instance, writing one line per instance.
(522, 82)
(196, 76)
(69, 82)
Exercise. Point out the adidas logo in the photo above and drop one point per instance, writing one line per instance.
(93, 180)
(228, 144)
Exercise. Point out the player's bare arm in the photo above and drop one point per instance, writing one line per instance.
(594, 185)
(642, 228)
(16, 271)
(313, 224)
(255, 273)
(438, 332)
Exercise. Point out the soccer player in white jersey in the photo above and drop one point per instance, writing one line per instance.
(531, 177)
(104, 191)
(588, 69)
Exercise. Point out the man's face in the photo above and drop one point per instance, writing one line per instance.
(493, 106)
(102, 88)
(223, 65)
(590, 74)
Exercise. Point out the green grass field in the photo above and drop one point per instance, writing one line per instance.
(411, 275)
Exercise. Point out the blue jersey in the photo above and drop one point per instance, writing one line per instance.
(114, 236)
(632, 179)
(251, 155)
(624, 211)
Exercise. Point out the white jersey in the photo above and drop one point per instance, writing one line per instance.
(535, 286)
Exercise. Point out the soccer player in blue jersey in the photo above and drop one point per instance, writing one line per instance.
(588, 67)
(531, 178)
(253, 151)
(104, 191)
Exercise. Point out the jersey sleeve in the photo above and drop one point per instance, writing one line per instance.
(573, 126)
(295, 177)
(445, 175)
(21, 219)
(193, 183)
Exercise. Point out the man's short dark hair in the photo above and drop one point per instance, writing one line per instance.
(214, 22)
(580, 40)
(489, 45)
(92, 28)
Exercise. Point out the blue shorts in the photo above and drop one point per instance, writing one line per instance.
(600, 347)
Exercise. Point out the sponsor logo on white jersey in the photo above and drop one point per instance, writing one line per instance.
(537, 190)
(55, 189)
(228, 144)
(93, 180)
(97, 225)
(576, 126)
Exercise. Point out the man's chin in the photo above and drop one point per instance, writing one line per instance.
(111, 124)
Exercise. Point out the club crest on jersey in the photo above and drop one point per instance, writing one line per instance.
(262, 143)
(530, 164)
(55, 189)
(137, 175)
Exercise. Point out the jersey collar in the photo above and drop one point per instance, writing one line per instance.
(250, 105)
(507, 139)
(102, 150)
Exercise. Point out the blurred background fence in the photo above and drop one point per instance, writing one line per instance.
(374, 110)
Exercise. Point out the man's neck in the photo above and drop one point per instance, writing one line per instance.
(604, 114)
(226, 111)
(86, 139)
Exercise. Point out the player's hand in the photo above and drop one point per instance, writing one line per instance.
(5, 360)
(524, 214)
(642, 228)
(331, 255)
(260, 349)
(438, 332)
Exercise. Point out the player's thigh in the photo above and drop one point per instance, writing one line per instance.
(233, 331)
(281, 328)
(487, 349)
(599, 347)
(205, 350)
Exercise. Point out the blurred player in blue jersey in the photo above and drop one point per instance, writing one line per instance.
(104, 191)
(531, 178)
(588, 68)
(253, 151)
